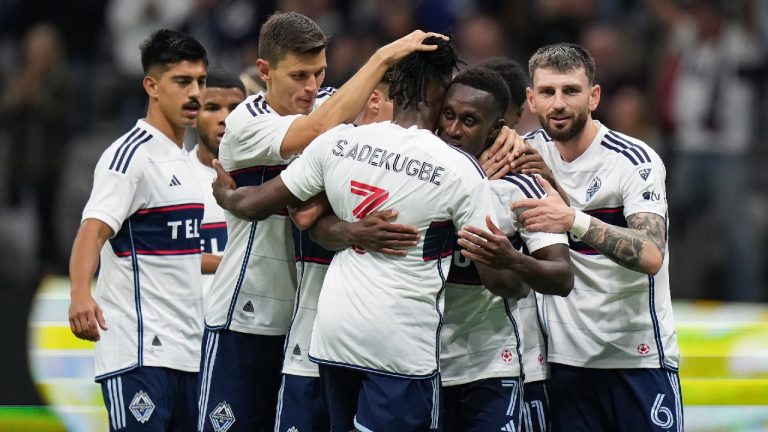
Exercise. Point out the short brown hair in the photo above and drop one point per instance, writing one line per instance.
(289, 32)
(563, 57)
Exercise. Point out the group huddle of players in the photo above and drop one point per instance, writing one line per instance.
(397, 257)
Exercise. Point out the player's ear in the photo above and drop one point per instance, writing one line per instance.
(374, 101)
(594, 97)
(150, 86)
(264, 68)
(531, 102)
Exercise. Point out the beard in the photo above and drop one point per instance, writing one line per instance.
(578, 121)
(206, 141)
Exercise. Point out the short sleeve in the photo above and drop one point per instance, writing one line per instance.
(643, 189)
(113, 197)
(304, 177)
(254, 138)
(471, 202)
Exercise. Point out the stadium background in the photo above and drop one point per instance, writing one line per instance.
(77, 62)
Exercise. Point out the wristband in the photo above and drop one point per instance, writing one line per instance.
(581, 223)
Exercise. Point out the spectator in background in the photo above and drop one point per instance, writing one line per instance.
(712, 106)
(33, 109)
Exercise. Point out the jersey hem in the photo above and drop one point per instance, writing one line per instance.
(372, 370)
(650, 363)
(462, 381)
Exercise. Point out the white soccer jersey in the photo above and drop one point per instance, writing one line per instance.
(535, 362)
(379, 312)
(149, 284)
(614, 317)
(482, 335)
(254, 287)
(213, 231)
(312, 261)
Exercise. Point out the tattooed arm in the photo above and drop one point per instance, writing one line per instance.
(639, 247)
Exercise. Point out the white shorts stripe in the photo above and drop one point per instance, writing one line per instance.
(112, 402)
(121, 402)
(279, 410)
(210, 359)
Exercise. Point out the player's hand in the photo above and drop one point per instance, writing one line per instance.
(222, 185)
(85, 317)
(529, 161)
(548, 214)
(495, 160)
(375, 233)
(492, 249)
(395, 51)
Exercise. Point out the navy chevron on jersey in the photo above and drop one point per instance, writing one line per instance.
(148, 287)
(255, 285)
(213, 231)
(378, 312)
(312, 261)
(482, 333)
(614, 317)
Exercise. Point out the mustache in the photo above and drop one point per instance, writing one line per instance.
(191, 105)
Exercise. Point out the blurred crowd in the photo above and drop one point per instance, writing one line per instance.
(690, 77)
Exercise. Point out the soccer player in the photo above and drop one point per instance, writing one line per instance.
(146, 317)
(481, 355)
(300, 403)
(536, 408)
(612, 344)
(376, 334)
(249, 309)
(222, 94)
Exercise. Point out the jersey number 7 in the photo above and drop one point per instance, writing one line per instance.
(374, 197)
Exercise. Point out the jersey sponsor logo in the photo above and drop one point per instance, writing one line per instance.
(222, 417)
(643, 349)
(174, 181)
(507, 356)
(169, 230)
(644, 173)
(390, 161)
(142, 407)
(660, 415)
(213, 237)
(593, 188)
(651, 196)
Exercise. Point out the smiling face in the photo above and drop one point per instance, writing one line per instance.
(563, 101)
(293, 83)
(469, 119)
(177, 91)
(217, 104)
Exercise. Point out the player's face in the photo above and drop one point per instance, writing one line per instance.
(178, 92)
(467, 118)
(217, 104)
(563, 101)
(293, 83)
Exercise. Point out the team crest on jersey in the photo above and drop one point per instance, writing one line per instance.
(643, 349)
(593, 187)
(222, 417)
(644, 173)
(142, 407)
(507, 356)
(541, 359)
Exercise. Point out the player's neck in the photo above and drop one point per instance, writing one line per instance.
(204, 155)
(411, 117)
(156, 119)
(570, 150)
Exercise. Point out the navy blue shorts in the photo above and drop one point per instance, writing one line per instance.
(151, 399)
(239, 380)
(372, 402)
(612, 400)
(300, 405)
(536, 407)
(491, 404)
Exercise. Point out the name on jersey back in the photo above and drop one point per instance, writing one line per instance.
(389, 160)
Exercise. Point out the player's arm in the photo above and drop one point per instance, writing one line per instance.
(639, 247)
(304, 215)
(548, 270)
(347, 102)
(250, 202)
(85, 315)
(209, 263)
(373, 233)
